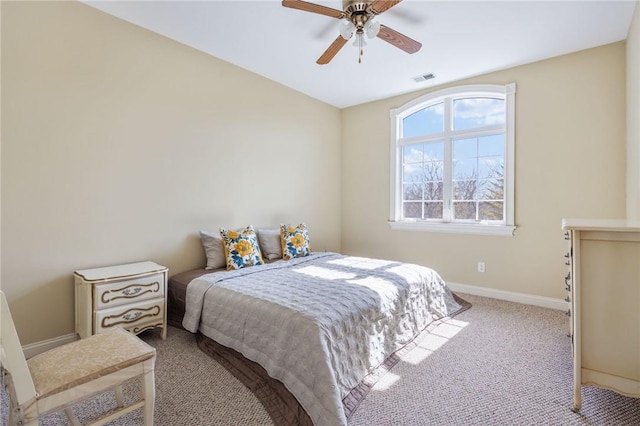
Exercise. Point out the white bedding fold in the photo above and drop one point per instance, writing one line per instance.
(319, 324)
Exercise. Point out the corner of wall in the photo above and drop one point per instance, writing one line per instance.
(633, 116)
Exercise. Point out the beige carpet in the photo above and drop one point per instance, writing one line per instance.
(499, 363)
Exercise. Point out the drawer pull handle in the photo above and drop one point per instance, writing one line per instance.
(567, 299)
(567, 286)
(568, 277)
(130, 316)
(567, 236)
(130, 292)
(568, 313)
(137, 330)
(567, 255)
(567, 263)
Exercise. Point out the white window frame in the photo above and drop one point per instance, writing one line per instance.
(504, 228)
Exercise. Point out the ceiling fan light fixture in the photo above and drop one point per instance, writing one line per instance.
(359, 41)
(346, 30)
(357, 17)
(372, 28)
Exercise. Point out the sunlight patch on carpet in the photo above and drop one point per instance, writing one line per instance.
(386, 382)
(434, 341)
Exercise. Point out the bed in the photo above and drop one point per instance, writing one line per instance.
(310, 335)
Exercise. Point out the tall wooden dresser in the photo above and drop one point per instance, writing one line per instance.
(603, 282)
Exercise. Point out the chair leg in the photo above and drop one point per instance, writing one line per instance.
(149, 390)
(72, 417)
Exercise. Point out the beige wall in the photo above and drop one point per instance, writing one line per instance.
(119, 145)
(0, 151)
(633, 117)
(569, 159)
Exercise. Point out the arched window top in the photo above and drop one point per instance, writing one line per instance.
(468, 91)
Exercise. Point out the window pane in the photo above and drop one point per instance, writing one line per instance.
(464, 210)
(491, 210)
(432, 210)
(412, 154)
(422, 176)
(413, 210)
(419, 153)
(465, 189)
(492, 189)
(491, 146)
(477, 175)
(465, 148)
(422, 171)
(412, 191)
(465, 169)
(412, 173)
(490, 167)
(433, 171)
(477, 112)
(424, 122)
(434, 151)
(433, 191)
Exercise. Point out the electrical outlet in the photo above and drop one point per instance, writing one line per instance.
(480, 266)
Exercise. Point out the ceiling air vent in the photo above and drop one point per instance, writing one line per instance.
(423, 77)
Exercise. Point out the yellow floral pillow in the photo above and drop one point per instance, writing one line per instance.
(241, 249)
(295, 241)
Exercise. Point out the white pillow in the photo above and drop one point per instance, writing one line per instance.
(270, 245)
(213, 249)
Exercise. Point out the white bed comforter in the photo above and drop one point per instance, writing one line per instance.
(319, 324)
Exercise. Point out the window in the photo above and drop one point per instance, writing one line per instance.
(452, 162)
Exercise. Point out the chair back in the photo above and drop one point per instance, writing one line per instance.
(12, 358)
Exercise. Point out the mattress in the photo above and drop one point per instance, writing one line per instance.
(340, 317)
(177, 293)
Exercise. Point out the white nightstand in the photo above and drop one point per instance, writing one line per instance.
(131, 296)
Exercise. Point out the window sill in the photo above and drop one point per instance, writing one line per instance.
(454, 228)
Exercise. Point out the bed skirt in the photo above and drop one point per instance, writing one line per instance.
(283, 408)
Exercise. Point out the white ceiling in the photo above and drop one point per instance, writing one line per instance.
(460, 39)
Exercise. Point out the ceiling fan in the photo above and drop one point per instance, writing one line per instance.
(358, 16)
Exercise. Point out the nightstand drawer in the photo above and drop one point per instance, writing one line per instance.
(130, 317)
(128, 291)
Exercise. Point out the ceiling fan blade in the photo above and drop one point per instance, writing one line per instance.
(314, 8)
(380, 6)
(328, 54)
(400, 41)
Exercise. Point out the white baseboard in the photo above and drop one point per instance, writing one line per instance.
(527, 299)
(34, 349)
